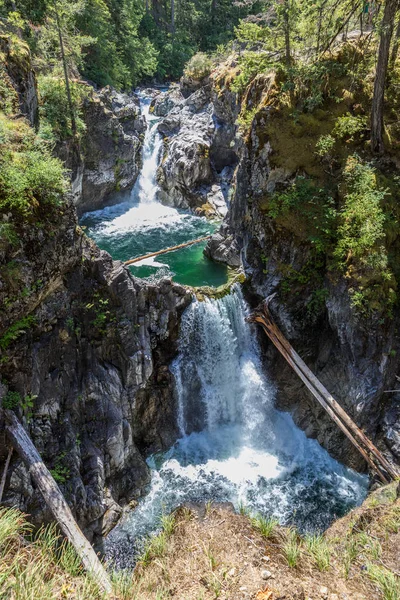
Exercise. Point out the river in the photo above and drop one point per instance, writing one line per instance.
(234, 445)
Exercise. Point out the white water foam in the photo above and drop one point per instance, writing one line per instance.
(235, 445)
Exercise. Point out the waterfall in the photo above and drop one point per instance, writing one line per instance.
(146, 185)
(235, 446)
(218, 372)
(139, 224)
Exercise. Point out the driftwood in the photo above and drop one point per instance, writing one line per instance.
(171, 249)
(54, 499)
(370, 453)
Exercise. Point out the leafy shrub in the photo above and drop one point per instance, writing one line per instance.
(246, 118)
(251, 64)
(360, 248)
(12, 400)
(199, 66)
(361, 232)
(8, 96)
(324, 145)
(310, 82)
(348, 126)
(314, 205)
(60, 472)
(250, 32)
(8, 235)
(29, 175)
(16, 330)
(54, 105)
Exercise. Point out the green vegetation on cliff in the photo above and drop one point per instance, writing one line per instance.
(311, 98)
(31, 179)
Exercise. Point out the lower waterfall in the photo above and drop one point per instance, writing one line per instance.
(235, 446)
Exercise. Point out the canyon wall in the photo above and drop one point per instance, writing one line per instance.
(356, 357)
(85, 347)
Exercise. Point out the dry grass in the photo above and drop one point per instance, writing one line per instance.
(208, 552)
(40, 567)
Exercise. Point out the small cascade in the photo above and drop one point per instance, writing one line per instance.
(146, 185)
(139, 224)
(235, 446)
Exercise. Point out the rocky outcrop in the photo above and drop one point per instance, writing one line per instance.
(356, 359)
(110, 151)
(223, 247)
(164, 102)
(84, 346)
(85, 353)
(195, 171)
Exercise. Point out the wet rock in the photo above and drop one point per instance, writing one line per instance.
(391, 425)
(126, 107)
(187, 176)
(165, 102)
(96, 358)
(111, 148)
(223, 247)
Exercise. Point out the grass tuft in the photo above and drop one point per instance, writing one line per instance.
(292, 548)
(319, 549)
(386, 581)
(265, 525)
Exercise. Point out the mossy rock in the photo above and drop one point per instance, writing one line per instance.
(205, 292)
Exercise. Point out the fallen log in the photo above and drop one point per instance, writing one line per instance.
(366, 448)
(171, 249)
(54, 499)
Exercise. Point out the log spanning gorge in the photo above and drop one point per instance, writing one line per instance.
(234, 445)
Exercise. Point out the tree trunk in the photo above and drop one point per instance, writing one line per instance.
(286, 26)
(377, 125)
(396, 45)
(64, 62)
(54, 499)
(173, 17)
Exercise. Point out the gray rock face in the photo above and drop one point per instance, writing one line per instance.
(223, 248)
(111, 149)
(164, 102)
(95, 357)
(126, 107)
(188, 176)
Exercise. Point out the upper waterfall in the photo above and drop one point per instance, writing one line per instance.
(139, 224)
